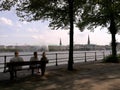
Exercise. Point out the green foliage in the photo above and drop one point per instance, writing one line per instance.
(86, 13)
(55, 11)
(7, 4)
(111, 59)
(104, 13)
(98, 13)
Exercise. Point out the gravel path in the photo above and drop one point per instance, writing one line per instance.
(85, 76)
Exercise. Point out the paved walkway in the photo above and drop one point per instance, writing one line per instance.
(85, 76)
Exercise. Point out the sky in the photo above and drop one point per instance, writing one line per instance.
(15, 32)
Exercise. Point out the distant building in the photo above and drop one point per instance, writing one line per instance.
(2, 47)
(27, 48)
(57, 48)
(118, 46)
(30, 48)
(90, 47)
(107, 47)
(60, 42)
(80, 47)
(10, 47)
(88, 40)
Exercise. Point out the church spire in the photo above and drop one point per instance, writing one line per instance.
(88, 40)
(60, 42)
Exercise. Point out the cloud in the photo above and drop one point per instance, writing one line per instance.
(6, 21)
(49, 37)
(24, 22)
(3, 36)
(33, 30)
(18, 25)
(39, 33)
(37, 37)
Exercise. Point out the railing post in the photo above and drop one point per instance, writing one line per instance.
(85, 57)
(4, 63)
(56, 60)
(95, 57)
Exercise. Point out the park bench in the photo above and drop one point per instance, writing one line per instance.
(10, 67)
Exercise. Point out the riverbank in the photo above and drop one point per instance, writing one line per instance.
(86, 76)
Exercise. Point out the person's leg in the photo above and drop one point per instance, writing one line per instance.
(42, 71)
(15, 72)
(11, 75)
(32, 71)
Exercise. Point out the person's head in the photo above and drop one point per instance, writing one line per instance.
(35, 54)
(43, 54)
(16, 53)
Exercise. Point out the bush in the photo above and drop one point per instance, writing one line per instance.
(111, 59)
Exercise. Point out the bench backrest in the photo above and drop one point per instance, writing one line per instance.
(9, 64)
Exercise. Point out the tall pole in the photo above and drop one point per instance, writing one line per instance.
(70, 61)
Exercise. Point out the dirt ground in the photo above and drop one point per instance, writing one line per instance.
(90, 76)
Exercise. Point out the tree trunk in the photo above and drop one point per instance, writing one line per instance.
(113, 43)
(70, 61)
(113, 31)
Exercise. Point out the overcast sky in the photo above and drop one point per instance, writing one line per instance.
(15, 32)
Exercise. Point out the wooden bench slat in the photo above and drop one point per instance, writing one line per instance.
(11, 65)
(22, 63)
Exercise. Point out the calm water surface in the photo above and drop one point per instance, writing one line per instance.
(61, 55)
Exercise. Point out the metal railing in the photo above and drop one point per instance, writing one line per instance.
(60, 57)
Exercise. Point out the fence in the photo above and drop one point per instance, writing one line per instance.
(60, 57)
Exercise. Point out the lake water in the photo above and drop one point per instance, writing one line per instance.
(61, 56)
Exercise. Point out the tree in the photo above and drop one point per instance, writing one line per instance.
(104, 13)
(60, 13)
(66, 13)
(70, 61)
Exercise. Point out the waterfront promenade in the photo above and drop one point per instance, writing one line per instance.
(85, 76)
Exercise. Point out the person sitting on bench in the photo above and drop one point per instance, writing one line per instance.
(35, 58)
(16, 58)
(43, 61)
